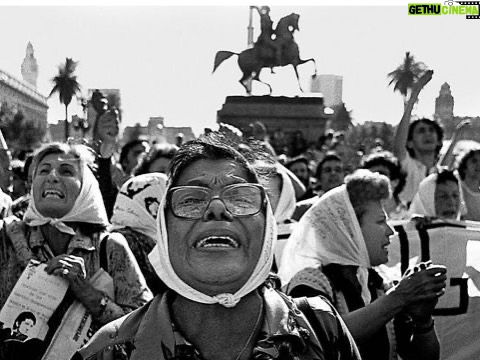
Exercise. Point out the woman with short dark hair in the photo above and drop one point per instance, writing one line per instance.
(214, 252)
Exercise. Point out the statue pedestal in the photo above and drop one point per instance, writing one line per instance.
(288, 114)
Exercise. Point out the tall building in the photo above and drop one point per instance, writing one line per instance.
(444, 104)
(30, 67)
(330, 86)
(23, 96)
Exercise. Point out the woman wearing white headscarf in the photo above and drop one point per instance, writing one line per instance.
(439, 195)
(281, 194)
(332, 252)
(214, 252)
(135, 217)
(64, 227)
(468, 171)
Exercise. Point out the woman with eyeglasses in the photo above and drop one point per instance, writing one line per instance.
(214, 252)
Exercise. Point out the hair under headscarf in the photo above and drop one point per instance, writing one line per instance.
(423, 202)
(160, 260)
(88, 207)
(328, 233)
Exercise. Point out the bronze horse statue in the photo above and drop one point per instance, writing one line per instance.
(252, 61)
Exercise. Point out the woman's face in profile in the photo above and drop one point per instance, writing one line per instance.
(56, 184)
(447, 200)
(376, 232)
(218, 252)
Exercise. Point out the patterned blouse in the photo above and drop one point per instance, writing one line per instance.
(19, 243)
(141, 245)
(150, 333)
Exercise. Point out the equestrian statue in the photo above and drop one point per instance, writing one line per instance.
(273, 48)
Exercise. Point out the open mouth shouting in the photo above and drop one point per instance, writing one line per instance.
(53, 194)
(216, 242)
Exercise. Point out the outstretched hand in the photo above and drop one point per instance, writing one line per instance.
(420, 288)
(422, 309)
(420, 84)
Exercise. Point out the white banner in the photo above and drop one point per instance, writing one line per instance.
(457, 246)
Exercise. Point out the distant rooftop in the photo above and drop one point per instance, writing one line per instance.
(23, 87)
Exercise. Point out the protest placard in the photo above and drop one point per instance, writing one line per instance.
(455, 244)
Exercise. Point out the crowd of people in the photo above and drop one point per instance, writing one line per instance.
(218, 248)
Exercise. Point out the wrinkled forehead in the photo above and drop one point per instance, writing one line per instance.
(56, 160)
(209, 172)
(60, 158)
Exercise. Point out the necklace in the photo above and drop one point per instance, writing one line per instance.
(254, 331)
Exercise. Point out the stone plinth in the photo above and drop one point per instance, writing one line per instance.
(288, 114)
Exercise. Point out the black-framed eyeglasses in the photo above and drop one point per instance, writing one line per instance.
(191, 202)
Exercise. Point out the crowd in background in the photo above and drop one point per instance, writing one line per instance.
(340, 202)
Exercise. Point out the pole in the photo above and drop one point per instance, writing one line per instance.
(66, 123)
(250, 43)
(250, 28)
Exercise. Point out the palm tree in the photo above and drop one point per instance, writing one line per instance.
(67, 86)
(406, 75)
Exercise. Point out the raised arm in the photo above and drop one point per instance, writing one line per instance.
(448, 159)
(400, 140)
(421, 287)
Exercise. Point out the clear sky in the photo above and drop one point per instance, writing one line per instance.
(161, 57)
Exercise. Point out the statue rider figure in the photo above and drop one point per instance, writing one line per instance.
(265, 40)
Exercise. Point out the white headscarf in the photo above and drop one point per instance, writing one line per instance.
(286, 202)
(329, 232)
(137, 203)
(424, 200)
(160, 260)
(88, 207)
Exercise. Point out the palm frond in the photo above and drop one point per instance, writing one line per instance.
(406, 74)
(65, 82)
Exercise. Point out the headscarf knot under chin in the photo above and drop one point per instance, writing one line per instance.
(227, 300)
